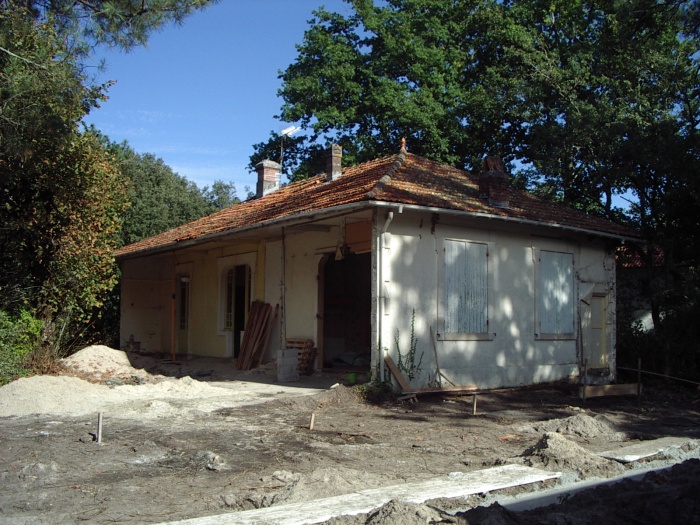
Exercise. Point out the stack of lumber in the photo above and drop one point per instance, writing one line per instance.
(257, 335)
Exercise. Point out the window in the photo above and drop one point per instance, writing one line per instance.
(555, 301)
(465, 290)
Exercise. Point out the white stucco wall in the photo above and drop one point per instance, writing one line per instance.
(513, 355)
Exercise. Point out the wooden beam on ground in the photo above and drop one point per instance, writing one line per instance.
(628, 389)
(405, 387)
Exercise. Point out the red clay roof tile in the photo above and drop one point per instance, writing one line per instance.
(403, 179)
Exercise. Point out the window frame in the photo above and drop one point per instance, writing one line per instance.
(442, 335)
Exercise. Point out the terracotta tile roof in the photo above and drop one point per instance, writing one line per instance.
(403, 179)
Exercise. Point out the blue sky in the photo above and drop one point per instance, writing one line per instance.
(201, 94)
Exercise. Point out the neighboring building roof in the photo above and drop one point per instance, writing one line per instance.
(403, 178)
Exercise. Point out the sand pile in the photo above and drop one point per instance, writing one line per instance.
(580, 425)
(102, 363)
(72, 396)
(554, 452)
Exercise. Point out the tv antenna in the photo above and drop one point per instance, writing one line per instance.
(286, 132)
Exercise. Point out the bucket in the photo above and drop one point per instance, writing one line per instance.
(352, 378)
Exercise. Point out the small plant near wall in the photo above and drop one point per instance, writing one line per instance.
(407, 362)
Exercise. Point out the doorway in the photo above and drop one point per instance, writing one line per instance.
(236, 303)
(346, 311)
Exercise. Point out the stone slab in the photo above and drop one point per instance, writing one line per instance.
(454, 485)
(643, 450)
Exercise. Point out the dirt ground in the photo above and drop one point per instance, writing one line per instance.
(193, 453)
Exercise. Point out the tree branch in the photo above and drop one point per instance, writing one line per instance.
(22, 58)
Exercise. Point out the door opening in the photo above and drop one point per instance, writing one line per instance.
(237, 300)
(346, 312)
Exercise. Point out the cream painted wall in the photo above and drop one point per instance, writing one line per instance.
(408, 283)
(146, 288)
(303, 254)
(513, 356)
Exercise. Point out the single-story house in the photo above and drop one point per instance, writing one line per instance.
(459, 278)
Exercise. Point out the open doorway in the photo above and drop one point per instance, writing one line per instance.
(237, 299)
(346, 312)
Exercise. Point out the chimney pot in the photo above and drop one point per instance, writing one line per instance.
(334, 162)
(268, 177)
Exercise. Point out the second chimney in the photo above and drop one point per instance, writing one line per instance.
(268, 177)
(334, 162)
(493, 183)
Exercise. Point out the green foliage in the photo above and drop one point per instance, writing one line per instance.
(375, 392)
(593, 102)
(407, 362)
(63, 199)
(19, 336)
(160, 199)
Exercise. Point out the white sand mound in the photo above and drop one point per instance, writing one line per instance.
(71, 396)
(101, 362)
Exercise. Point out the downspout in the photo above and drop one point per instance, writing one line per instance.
(173, 334)
(381, 297)
(283, 315)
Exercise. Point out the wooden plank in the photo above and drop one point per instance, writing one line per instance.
(628, 389)
(267, 334)
(397, 374)
(258, 333)
(445, 389)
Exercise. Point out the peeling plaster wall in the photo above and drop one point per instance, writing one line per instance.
(512, 355)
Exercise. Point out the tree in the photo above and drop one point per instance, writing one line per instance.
(420, 69)
(593, 102)
(221, 195)
(62, 198)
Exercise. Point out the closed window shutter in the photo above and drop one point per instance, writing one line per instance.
(466, 287)
(556, 304)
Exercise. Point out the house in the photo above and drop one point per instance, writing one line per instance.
(459, 278)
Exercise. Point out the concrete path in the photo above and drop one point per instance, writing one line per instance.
(455, 485)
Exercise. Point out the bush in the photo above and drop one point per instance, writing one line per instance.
(19, 336)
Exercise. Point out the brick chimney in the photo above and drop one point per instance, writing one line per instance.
(334, 162)
(268, 177)
(493, 183)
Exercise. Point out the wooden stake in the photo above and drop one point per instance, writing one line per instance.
(313, 420)
(99, 428)
(585, 375)
(474, 405)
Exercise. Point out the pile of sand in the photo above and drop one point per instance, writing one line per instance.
(72, 396)
(580, 425)
(554, 452)
(101, 363)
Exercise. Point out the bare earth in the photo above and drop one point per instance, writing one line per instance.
(196, 438)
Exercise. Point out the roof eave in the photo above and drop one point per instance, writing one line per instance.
(291, 220)
(515, 220)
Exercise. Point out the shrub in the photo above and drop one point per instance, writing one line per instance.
(19, 336)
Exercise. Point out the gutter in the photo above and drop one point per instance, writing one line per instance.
(514, 220)
(338, 211)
